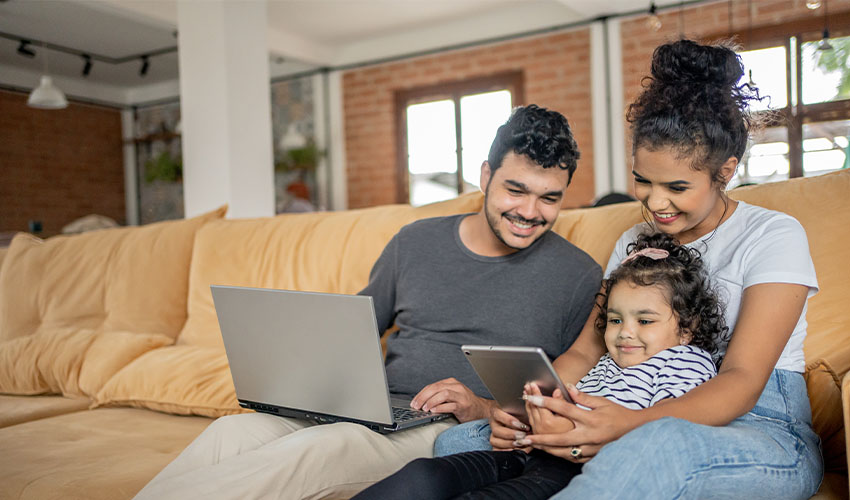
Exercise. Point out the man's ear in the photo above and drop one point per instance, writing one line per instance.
(486, 173)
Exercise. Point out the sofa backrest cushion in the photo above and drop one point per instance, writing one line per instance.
(326, 252)
(62, 296)
(321, 252)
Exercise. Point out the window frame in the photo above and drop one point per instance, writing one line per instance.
(795, 114)
(454, 90)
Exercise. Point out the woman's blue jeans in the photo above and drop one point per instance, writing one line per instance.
(770, 452)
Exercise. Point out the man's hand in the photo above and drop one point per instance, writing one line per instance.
(450, 396)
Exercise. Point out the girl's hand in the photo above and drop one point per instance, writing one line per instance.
(605, 422)
(542, 420)
(506, 429)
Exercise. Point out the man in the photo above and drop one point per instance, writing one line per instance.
(498, 276)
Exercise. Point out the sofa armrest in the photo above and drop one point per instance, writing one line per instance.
(845, 406)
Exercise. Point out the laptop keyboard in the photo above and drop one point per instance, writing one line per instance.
(401, 414)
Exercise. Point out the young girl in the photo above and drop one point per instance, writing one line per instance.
(746, 433)
(659, 320)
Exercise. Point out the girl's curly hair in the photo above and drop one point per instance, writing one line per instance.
(685, 283)
(694, 104)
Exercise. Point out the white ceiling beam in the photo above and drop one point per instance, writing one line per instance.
(293, 46)
(282, 44)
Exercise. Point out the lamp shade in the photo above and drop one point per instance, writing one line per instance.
(47, 96)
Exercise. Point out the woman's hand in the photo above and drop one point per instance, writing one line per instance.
(506, 429)
(604, 422)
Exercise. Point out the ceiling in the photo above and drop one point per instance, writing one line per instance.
(303, 35)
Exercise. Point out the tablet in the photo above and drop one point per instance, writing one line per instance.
(505, 370)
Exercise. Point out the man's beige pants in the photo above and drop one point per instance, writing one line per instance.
(255, 455)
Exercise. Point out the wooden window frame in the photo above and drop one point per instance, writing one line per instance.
(795, 116)
(454, 90)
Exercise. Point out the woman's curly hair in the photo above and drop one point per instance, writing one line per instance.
(694, 104)
(685, 283)
(538, 133)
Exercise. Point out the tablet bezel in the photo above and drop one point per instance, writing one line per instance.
(506, 369)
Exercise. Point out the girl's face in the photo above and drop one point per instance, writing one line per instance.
(682, 201)
(640, 324)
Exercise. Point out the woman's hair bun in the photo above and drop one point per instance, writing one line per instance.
(686, 61)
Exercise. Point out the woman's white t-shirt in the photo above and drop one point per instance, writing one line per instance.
(755, 245)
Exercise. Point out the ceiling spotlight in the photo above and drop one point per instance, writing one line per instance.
(88, 64)
(813, 4)
(145, 65)
(653, 22)
(24, 50)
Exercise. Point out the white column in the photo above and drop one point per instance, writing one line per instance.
(131, 185)
(320, 130)
(225, 107)
(336, 149)
(620, 166)
(600, 101)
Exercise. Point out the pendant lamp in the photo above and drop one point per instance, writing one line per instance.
(47, 95)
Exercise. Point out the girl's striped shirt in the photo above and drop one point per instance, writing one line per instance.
(669, 374)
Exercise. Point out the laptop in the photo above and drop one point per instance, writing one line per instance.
(307, 355)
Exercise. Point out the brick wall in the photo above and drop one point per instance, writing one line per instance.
(58, 165)
(706, 22)
(556, 75)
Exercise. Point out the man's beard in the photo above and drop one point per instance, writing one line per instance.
(493, 222)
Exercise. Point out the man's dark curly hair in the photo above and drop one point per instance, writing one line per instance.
(685, 283)
(693, 104)
(538, 133)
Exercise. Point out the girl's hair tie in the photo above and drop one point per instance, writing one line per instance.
(652, 253)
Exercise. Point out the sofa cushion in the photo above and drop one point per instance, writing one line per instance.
(69, 361)
(44, 362)
(63, 296)
(596, 230)
(130, 279)
(19, 409)
(322, 252)
(822, 206)
(330, 252)
(824, 390)
(99, 454)
(184, 380)
(111, 351)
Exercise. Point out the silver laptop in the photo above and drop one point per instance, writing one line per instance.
(308, 355)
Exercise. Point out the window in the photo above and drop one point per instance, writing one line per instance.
(807, 111)
(446, 132)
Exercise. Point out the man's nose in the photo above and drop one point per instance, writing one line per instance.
(528, 209)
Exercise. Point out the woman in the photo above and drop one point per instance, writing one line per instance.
(747, 432)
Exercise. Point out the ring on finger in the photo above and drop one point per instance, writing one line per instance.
(576, 452)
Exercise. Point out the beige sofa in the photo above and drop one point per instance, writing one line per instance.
(111, 360)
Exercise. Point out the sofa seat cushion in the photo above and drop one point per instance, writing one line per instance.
(18, 409)
(108, 453)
